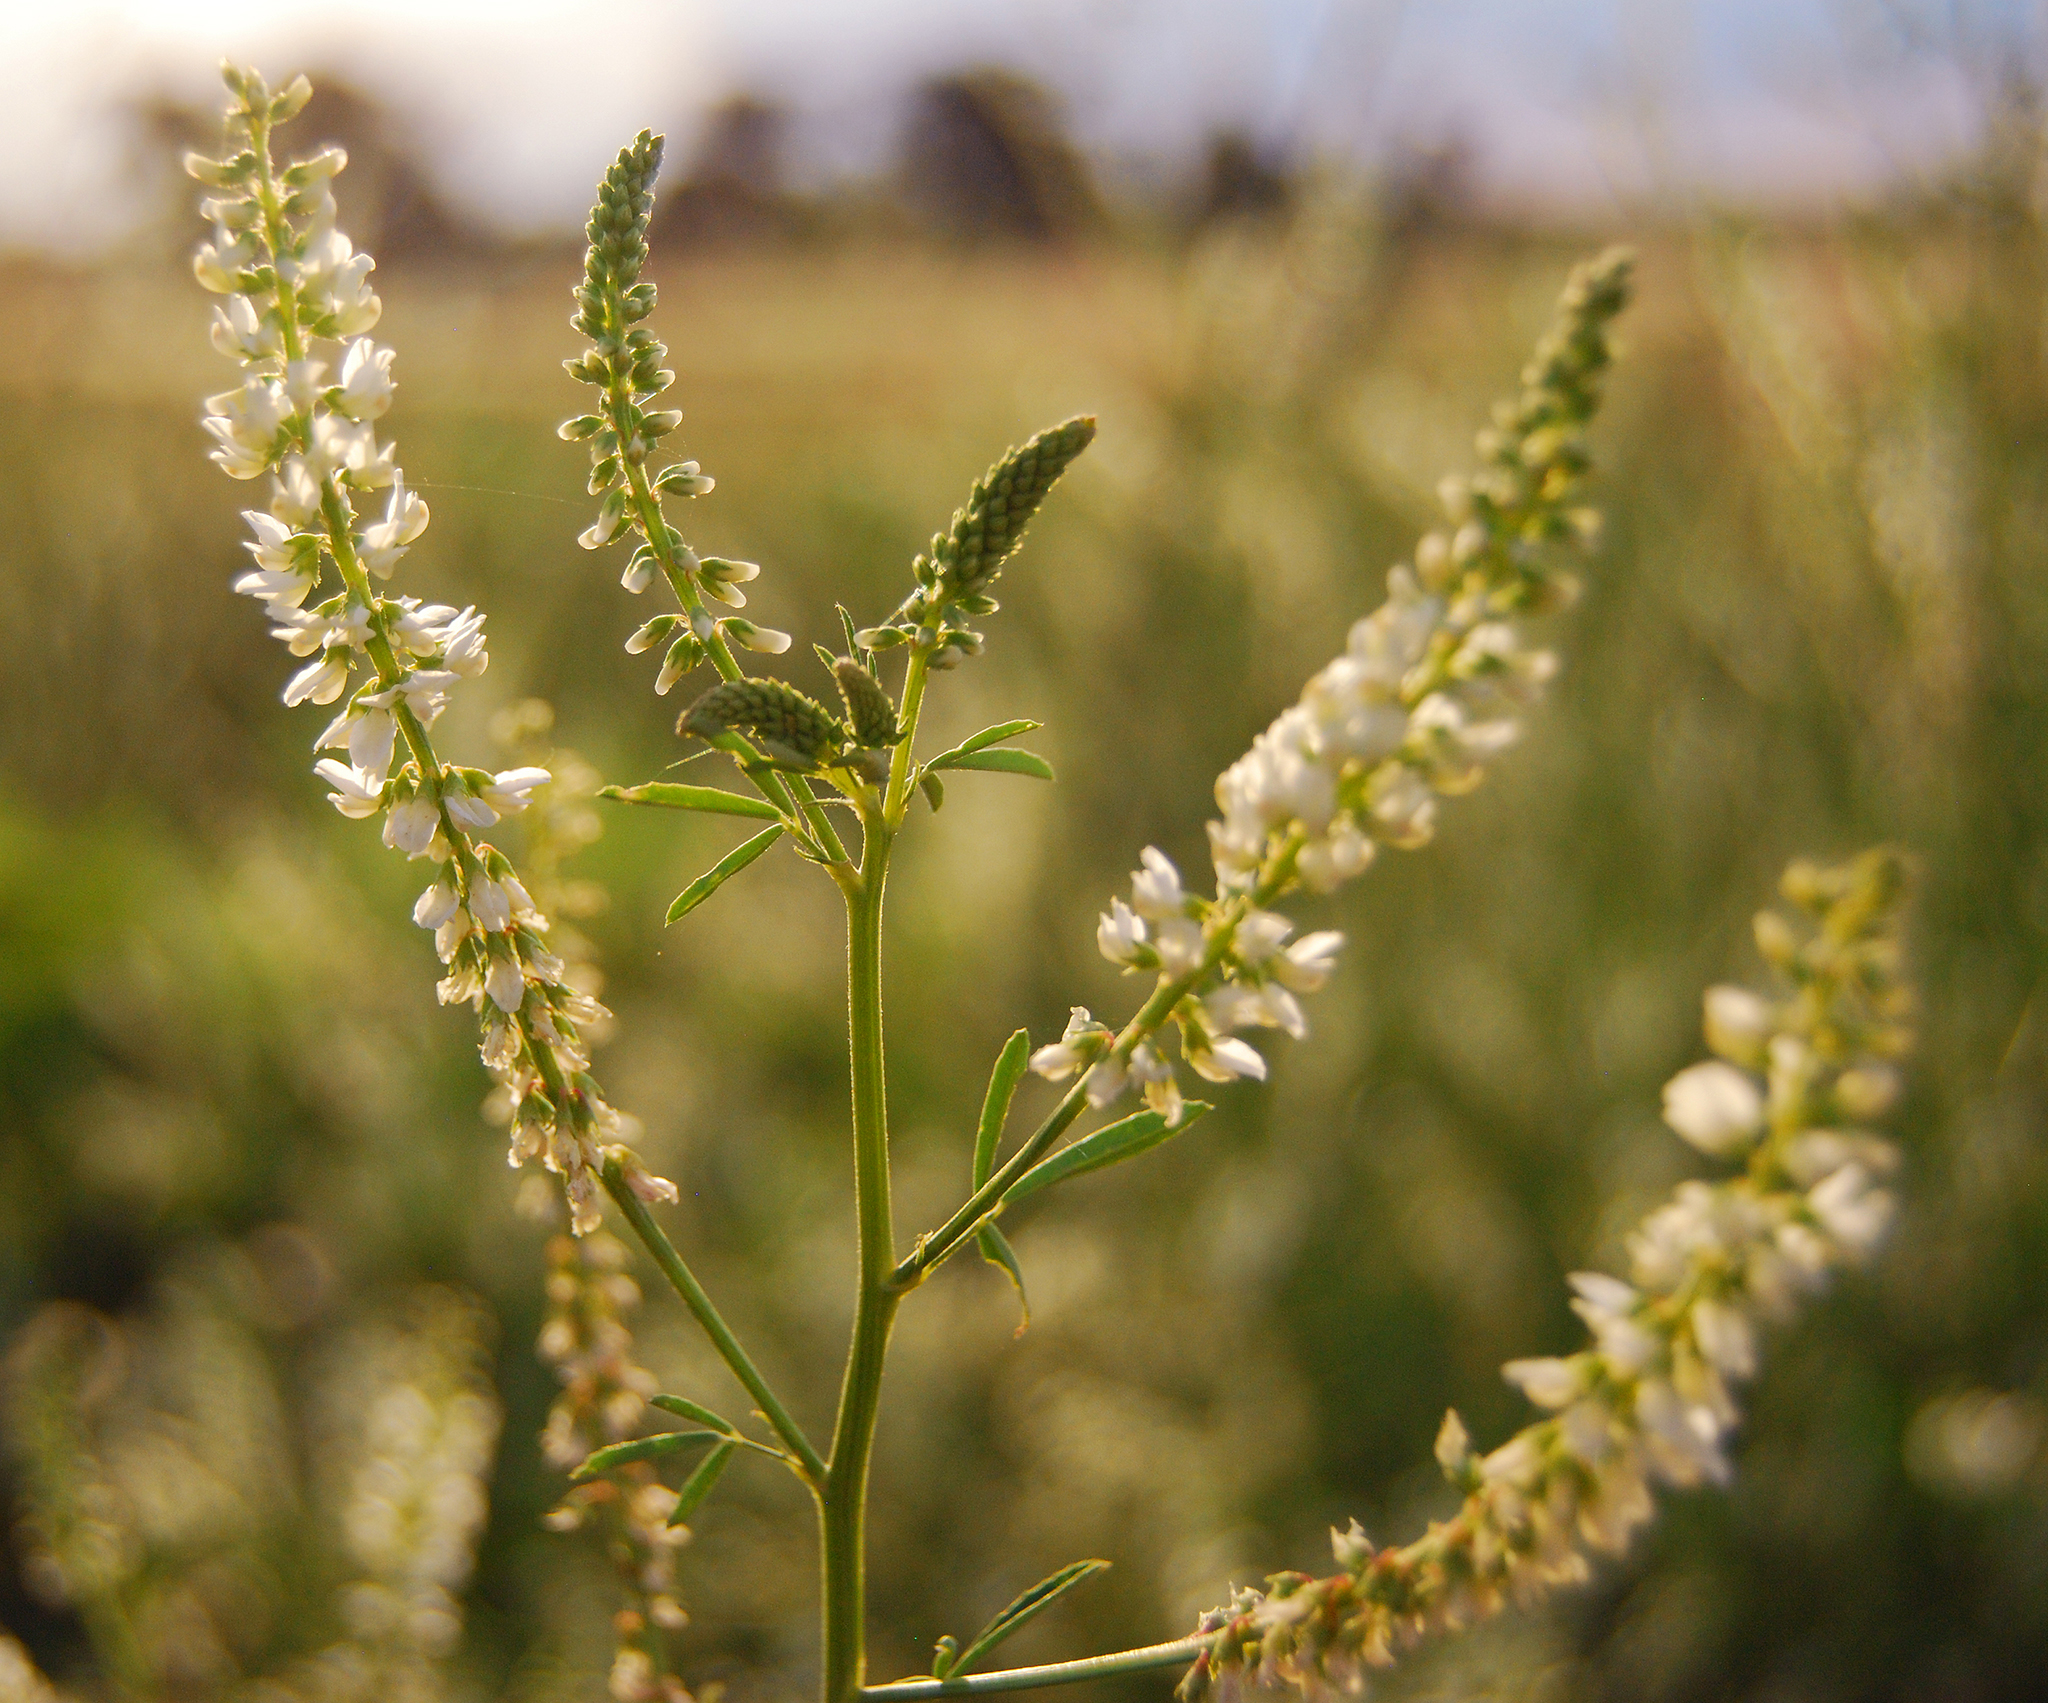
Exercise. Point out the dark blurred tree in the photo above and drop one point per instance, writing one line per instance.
(986, 155)
(1242, 181)
(737, 189)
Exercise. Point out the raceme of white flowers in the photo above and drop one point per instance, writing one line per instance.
(1430, 686)
(296, 318)
(1652, 1400)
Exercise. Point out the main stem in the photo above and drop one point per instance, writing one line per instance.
(843, 1506)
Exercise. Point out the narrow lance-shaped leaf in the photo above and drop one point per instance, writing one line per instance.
(644, 1449)
(1010, 1067)
(672, 795)
(1124, 1139)
(721, 872)
(699, 1484)
(689, 1409)
(1025, 1609)
(1002, 762)
(992, 736)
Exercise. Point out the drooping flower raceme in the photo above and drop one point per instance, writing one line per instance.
(296, 315)
(1430, 686)
(1652, 1400)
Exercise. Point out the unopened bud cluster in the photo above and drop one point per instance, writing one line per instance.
(296, 311)
(953, 577)
(624, 362)
(1430, 686)
(1652, 1400)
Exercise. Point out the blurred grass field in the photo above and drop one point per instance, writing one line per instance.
(1819, 619)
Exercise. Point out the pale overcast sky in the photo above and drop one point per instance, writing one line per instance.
(1565, 101)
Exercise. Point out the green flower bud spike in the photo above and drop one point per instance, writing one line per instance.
(870, 710)
(792, 728)
(964, 560)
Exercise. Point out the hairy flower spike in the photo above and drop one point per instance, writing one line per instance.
(297, 306)
(793, 728)
(1652, 1399)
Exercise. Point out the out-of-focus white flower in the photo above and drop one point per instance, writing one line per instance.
(1716, 1107)
(1156, 891)
(405, 518)
(1306, 965)
(366, 385)
(1225, 1059)
(1120, 935)
(1737, 1024)
(1082, 1043)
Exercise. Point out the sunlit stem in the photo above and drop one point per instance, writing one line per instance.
(843, 1506)
(1030, 1679)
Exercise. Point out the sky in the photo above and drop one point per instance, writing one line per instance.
(1563, 103)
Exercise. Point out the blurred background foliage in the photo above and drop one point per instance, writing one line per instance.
(267, 1295)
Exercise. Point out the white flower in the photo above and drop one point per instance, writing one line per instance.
(1608, 1306)
(764, 639)
(1179, 943)
(505, 985)
(1120, 935)
(366, 383)
(679, 661)
(462, 643)
(1107, 1081)
(490, 904)
(471, 812)
(438, 904)
(1725, 1338)
(1225, 1059)
(1156, 1075)
(412, 824)
(320, 682)
(1341, 854)
(1305, 966)
(1736, 1024)
(405, 518)
(511, 790)
(1548, 1382)
(1156, 889)
(350, 447)
(1259, 935)
(242, 335)
(1084, 1038)
(355, 794)
(1716, 1107)
(1852, 1209)
(640, 571)
(245, 424)
(295, 493)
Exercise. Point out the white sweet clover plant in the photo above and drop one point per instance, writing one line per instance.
(1430, 687)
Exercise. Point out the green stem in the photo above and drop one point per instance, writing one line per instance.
(1029, 1679)
(983, 1204)
(901, 765)
(684, 1281)
(843, 1507)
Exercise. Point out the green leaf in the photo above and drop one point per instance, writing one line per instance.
(672, 795)
(1011, 1063)
(699, 1484)
(644, 1449)
(986, 737)
(721, 872)
(1124, 1139)
(688, 1409)
(945, 1654)
(854, 647)
(1000, 762)
(1025, 1609)
(934, 791)
(995, 1248)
